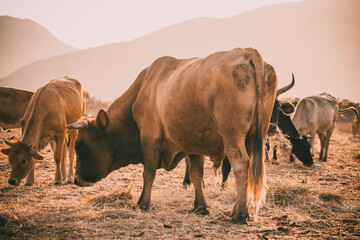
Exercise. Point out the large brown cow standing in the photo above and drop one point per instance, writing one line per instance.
(13, 103)
(52, 107)
(216, 105)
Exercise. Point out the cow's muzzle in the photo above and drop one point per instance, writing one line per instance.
(81, 183)
(14, 182)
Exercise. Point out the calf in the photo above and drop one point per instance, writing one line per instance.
(51, 108)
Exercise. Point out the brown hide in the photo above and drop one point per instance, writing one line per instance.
(13, 103)
(51, 108)
(216, 105)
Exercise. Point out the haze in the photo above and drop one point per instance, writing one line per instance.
(85, 23)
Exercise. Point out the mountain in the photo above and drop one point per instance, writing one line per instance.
(317, 40)
(23, 41)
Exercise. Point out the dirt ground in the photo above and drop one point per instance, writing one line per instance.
(301, 203)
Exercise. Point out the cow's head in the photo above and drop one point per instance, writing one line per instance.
(93, 150)
(301, 149)
(21, 158)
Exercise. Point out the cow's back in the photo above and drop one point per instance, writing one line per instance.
(317, 113)
(13, 103)
(60, 97)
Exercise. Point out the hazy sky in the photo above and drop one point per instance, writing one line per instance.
(90, 23)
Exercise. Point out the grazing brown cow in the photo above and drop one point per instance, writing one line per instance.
(215, 105)
(317, 115)
(52, 107)
(13, 103)
(356, 121)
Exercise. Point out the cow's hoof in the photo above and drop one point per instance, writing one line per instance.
(144, 207)
(240, 219)
(58, 183)
(224, 185)
(69, 180)
(201, 210)
(315, 165)
(29, 184)
(186, 185)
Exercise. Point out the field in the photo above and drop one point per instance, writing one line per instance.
(302, 203)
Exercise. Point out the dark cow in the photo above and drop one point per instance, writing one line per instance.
(13, 103)
(215, 105)
(51, 108)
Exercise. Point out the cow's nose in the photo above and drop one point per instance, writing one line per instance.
(11, 181)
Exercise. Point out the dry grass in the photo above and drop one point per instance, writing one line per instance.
(302, 203)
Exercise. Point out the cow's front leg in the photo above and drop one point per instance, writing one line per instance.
(196, 177)
(31, 177)
(149, 177)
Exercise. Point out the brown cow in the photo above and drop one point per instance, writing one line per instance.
(356, 121)
(215, 105)
(52, 107)
(13, 103)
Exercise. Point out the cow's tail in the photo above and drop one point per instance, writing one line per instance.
(256, 189)
(350, 108)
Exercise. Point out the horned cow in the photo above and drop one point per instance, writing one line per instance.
(216, 105)
(317, 115)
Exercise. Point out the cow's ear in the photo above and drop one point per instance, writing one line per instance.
(6, 151)
(36, 155)
(102, 119)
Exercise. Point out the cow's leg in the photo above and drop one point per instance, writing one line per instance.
(58, 156)
(63, 162)
(327, 142)
(225, 170)
(196, 172)
(312, 144)
(151, 163)
(274, 152)
(322, 138)
(267, 148)
(71, 149)
(187, 181)
(239, 160)
(31, 177)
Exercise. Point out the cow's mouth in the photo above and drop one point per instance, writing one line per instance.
(14, 182)
(82, 183)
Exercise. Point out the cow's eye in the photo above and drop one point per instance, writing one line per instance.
(23, 161)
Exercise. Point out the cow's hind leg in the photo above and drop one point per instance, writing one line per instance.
(322, 138)
(58, 156)
(71, 148)
(196, 172)
(63, 162)
(327, 142)
(187, 181)
(239, 160)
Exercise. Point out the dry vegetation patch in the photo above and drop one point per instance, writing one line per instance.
(301, 203)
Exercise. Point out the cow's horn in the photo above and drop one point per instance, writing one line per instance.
(8, 143)
(286, 88)
(78, 125)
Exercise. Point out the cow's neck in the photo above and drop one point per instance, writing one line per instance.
(122, 128)
(31, 131)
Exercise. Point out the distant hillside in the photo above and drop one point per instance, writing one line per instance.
(317, 40)
(23, 41)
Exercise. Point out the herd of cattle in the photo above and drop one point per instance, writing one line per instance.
(221, 106)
